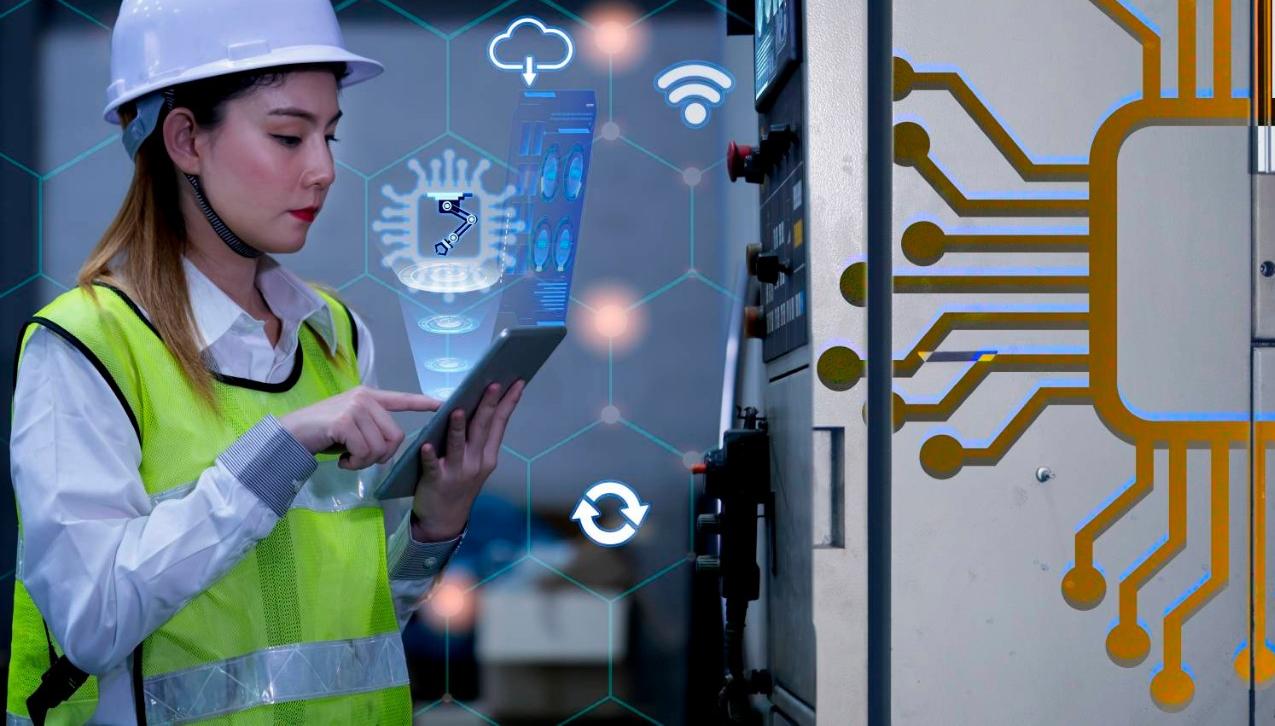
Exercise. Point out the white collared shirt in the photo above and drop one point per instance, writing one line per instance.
(237, 342)
(107, 565)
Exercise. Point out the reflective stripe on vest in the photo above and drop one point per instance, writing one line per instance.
(276, 675)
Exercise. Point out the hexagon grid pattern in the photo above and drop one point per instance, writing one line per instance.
(532, 623)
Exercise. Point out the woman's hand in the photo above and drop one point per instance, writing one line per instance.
(358, 421)
(448, 485)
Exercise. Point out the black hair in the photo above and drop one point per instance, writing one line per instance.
(207, 98)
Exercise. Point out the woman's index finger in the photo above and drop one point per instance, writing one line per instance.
(404, 401)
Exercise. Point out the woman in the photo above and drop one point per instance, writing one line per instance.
(185, 539)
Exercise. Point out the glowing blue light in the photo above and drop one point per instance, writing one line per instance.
(448, 324)
(448, 364)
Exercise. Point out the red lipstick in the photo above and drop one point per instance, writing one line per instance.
(305, 215)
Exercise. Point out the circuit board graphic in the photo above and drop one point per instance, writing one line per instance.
(925, 243)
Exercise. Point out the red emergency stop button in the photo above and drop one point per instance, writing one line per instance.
(736, 159)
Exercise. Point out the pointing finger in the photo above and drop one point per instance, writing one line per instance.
(403, 401)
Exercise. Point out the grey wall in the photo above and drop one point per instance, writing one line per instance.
(63, 173)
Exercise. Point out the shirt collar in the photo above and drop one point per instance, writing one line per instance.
(288, 296)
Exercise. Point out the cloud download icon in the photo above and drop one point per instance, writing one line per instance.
(531, 65)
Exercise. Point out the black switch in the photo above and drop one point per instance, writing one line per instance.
(767, 266)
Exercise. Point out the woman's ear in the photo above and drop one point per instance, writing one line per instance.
(179, 139)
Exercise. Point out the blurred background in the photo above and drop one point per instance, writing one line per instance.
(533, 623)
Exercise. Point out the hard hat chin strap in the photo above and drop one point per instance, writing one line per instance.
(232, 240)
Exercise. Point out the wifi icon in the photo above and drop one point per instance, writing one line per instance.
(694, 87)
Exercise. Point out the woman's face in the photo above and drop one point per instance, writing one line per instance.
(267, 167)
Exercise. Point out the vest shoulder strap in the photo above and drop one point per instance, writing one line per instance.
(105, 331)
(109, 330)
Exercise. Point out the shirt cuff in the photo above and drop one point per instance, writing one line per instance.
(408, 559)
(270, 462)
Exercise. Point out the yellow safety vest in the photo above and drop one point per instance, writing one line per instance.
(303, 628)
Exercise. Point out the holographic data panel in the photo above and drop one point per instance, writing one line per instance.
(548, 170)
(515, 268)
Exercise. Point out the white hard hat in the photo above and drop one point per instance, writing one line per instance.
(162, 43)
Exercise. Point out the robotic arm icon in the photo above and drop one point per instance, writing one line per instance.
(449, 203)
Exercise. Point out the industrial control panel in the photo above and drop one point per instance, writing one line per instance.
(806, 655)
(775, 162)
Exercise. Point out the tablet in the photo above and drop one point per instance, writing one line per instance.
(515, 353)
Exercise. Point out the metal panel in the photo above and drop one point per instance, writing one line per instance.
(836, 194)
(1072, 300)
(1264, 256)
(1264, 604)
(790, 631)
